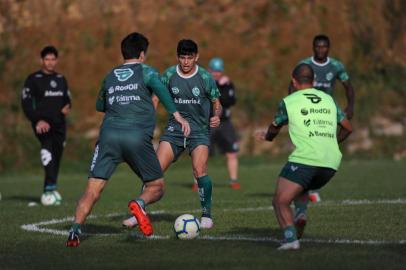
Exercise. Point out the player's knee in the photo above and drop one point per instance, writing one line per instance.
(199, 171)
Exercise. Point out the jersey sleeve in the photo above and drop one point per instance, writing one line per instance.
(101, 98)
(340, 114)
(342, 74)
(211, 88)
(66, 95)
(154, 82)
(281, 116)
(29, 100)
(228, 97)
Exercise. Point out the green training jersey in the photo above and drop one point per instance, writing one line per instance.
(312, 117)
(192, 96)
(125, 97)
(325, 74)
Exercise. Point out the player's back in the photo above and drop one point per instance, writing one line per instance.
(127, 99)
(313, 117)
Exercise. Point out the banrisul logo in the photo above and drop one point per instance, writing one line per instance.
(196, 91)
(123, 74)
(313, 98)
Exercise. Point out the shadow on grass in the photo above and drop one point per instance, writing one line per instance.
(25, 198)
(262, 194)
(256, 232)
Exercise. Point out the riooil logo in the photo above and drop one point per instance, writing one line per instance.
(304, 111)
(123, 74)
(313, 98)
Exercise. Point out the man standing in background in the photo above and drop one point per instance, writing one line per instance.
(46, 102)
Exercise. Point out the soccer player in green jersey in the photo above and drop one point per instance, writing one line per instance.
(126, 133)
(193, 90)
(326, 71)
(312, 117)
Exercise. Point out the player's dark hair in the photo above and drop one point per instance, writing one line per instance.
(187, 47)
(133, 44)
(49, 50)
(321, 38)
(303, 73)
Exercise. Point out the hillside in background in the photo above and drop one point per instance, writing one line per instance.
(260, 41)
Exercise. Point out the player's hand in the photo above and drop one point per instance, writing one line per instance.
(66, 109)
(349, 112)
(260, 135)
(42, 127)
(214, 121)
(185, 124)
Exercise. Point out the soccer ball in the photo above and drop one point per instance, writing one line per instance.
(186, 227)
(51, 198)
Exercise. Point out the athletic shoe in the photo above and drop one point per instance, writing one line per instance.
(235, 185)
(145, 225)
(300, 224)
(73, 240)
(314, 196)
(206, 223)
(295, 245)
(195, 187)
(130, 222)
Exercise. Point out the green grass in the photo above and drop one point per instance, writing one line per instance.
(123, 249)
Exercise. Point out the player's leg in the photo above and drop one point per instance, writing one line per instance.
(166, 155)
(300, 218)
(232, 167)
(85, 205)
(58, 145)
(228, 143)
(286, 192)
(200, 155)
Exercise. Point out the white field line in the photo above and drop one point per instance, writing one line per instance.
(37, 227)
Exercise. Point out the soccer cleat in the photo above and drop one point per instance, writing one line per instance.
(130, 222)
(300, 224)
(195, 187)
(206, 223)
(145, 225)
(73, 240)
(314, 196)
(235, 185)
(295, 245)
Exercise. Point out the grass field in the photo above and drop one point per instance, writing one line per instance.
(360, 224)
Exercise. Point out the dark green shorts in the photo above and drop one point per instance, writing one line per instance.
(309, 177)
(179, 143)
(131, 146)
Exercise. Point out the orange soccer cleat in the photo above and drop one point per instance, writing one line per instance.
(142, 218)
(73, 240)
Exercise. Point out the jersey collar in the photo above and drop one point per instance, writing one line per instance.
(189, 76)
(132, 63)
(321, 64)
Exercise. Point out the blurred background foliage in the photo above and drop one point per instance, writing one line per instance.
(260, 41)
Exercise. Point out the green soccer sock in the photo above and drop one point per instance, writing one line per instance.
(289, 232)
(205, 189)
(300, 207)
(75, 228)
(141, 202)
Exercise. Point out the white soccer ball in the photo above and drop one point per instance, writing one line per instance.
(186, 227)
(51, 198)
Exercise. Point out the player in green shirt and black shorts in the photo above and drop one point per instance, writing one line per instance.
(126, 133)
(193, 90)
(312, 117)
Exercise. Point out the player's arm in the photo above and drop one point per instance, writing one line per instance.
(155, 101)
(350, 94)
(213, 94)
(160, 90)
(280, 119)
(66, 98)
(217, 109)
(345, 127)
(101, 99)
(228, 97)
(29, 100)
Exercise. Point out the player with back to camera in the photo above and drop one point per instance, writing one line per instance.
(126, 133)
(312, 117)
(46, 101)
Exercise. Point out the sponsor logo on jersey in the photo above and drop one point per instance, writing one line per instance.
(175, 90)
(321, 134)
(39, 75)
(307, 122)
(123, 100)
(171, 129)
(123, 74)
(320, 85)
(128, 87)
(111, 90)
(111, 100)
(329, 76)
(25, 93)
(321, 122)
(196, 91)
(186, 101)
(313, 98)
(304, 111)
(53, 84)
(50, 93)
(321, 111)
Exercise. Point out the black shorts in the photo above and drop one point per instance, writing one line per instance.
(225, 138)
(309, 177)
